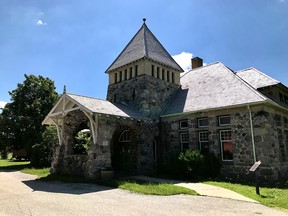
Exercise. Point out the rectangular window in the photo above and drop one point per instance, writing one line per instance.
(115, 77)
(281, 96)
(203, 141)
(226, 145)
(163, 74)
(152, 71)
(184, 140)
(125, 74)
(120, 76)
(203, 122)
(224, 120)
(136, 70)
(130, 72)
(168, 76)
(183, 124)
(173, 78)
(158, 72)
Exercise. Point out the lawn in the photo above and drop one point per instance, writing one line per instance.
(272, 197)
(13, 164)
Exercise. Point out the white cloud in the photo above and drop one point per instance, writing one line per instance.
(2, 104)
(184, 60)
(41, 23)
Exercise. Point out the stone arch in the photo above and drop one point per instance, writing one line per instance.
(124, 151)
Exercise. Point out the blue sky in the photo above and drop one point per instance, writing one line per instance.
(74, 42)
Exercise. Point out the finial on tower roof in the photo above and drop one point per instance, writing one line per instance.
(64, 90)
(144, 20)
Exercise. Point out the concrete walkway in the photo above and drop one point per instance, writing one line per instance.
(200, 188)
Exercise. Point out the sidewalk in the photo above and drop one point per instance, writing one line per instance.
(202, 189)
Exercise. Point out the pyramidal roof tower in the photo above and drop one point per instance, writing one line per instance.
(144, 45)
(144, 75)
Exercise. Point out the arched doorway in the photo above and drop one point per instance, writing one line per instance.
(124, 152)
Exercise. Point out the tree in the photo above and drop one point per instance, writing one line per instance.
(20, 120)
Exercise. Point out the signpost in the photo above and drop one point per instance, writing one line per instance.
(255, 170)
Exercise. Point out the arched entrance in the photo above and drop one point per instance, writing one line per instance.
(124, 152)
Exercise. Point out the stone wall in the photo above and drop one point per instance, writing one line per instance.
(147, 94)
(270, 136)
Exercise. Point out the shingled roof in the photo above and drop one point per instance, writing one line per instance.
(211, 87)
(256, 78)
(144, 45)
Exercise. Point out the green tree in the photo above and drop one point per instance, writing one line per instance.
(20, 120)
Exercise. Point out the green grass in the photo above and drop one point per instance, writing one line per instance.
(7, 164)
(272, 197)
(154, 188)
(40, 173)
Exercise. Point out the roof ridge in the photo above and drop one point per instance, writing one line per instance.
(207, 65)
(86, 96)
(252, 68)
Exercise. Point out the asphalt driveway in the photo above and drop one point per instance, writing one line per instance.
(21, 195)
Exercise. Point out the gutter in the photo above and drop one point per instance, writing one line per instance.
(252, 134)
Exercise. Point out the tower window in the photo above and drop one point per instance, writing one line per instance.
(163, 74)
(130, 72)
(158, 72)
(120, 78)
(168, 76)
(125, 74)
(136, 70)
(173, 78)
(115, 77)
(152, 71)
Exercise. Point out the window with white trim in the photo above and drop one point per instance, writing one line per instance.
(224, 120)
(183, 124)
(125, 136)
(203, 122)
(184, 141)
(226, 145)
(203, 141)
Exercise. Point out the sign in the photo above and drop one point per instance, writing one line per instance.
(255, 166)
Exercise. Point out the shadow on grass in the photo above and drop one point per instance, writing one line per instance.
(15, 165)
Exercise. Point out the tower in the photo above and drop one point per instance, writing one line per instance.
(144, 75)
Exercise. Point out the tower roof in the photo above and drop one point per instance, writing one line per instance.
(144, 45)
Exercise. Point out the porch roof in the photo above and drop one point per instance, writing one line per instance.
(69, 102)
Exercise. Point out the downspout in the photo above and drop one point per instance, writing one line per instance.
(252, 133)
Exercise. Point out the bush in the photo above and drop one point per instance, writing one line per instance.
(194, 164)
(4, 154)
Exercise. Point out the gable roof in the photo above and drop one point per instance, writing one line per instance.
(144, 45)
(256, 79)
(211, 87)
(70, 102)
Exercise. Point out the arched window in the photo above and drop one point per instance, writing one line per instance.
(125, 136)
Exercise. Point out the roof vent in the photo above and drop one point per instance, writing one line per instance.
(197, 62)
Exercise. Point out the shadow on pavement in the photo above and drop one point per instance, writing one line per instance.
(69, 188)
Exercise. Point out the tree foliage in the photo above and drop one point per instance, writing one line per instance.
(20, 120)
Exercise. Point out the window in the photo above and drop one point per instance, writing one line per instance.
(203, 122)
(136, 70)
(168, 76)
(183, 124)
(125, 136)
(173, 78)
(120, 76)
(224, 120)
(125, 74)
(115, 77)
(130, 72)
(203, 141)
(163, 74)
(184, 140)
(152, 71)
(226, 145)
(158, 72)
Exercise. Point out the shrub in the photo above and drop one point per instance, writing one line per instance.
(4, 154)
(194, 163)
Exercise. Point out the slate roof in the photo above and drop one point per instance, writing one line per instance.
(144, 45)
(256, 79)
(211, 87)
(106, 107)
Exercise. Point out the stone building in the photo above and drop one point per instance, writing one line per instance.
(153, 109)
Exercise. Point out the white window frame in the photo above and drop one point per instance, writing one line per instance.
(226, 116)
(125, 136)
(205, 126)
(222, 143)
(184, 141)
(180, 124)
(201, 141)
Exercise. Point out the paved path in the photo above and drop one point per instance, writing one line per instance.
(202, 189)
(21, 195)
